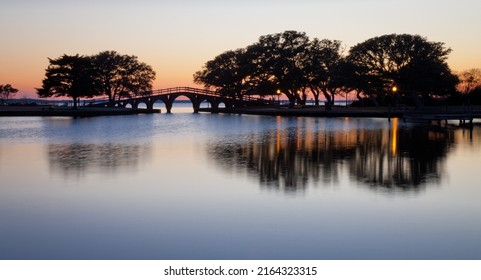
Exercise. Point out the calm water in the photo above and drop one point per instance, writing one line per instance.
(202, 186)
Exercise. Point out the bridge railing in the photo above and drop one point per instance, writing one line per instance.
(184, 89)
(176, 90)
(199, 91)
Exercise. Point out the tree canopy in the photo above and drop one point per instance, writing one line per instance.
(288, 63)
(121, 75)
(322, 68)
(292, 63)
(227, 72)
(107, 73)
(5, 92)
(279, 58)
(469, 80)
(410, 63)
(70, 76)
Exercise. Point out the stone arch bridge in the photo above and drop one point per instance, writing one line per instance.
(169, 95)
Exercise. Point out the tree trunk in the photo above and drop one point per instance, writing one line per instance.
(358, 95)
(315, 93)
(300, 101)
(328, 102)
(304, 97)
(74, 103)
(292, 100)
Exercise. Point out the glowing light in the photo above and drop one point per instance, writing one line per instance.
(278, 134)
(394, 89)
(394, 137)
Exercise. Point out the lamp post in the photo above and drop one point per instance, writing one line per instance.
(394, 89)
(278, 92)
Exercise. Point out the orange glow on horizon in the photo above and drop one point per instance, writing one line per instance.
(176, 48)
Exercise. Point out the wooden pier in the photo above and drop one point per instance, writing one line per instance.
(428, 117)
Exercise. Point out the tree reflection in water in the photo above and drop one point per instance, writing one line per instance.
(394, 158)
(77, 159)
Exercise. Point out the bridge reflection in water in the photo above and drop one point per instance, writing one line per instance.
(391, 158)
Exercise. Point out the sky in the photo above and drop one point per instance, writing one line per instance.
(177, 37)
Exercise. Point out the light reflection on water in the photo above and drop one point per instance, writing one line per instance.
(202, 186)
(393, 158)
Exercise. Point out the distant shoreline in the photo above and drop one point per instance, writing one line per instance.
(55, 111)
(310, 111)
(425, 114)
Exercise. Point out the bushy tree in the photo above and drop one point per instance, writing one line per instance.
(107, 73)
(227, 73)
(294, 65)
(411, 63)
(276, 63)
(322, 69)
(280, 57)
(121, 75)
(5, 92)
(70, 76)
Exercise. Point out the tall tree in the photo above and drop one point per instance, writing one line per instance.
(5, 92)
(322, 68)
(227, 73)
(70, 76)
(273, 64)
(411, 63)
(121, 75)
(280, 58)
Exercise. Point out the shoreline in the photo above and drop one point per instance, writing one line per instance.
(310, 112)
(53, 111)
(368, 112)
(426, 113)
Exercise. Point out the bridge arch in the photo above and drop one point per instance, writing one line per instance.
(142, 104)
(169, 95)
(194, 98)
(126, 104)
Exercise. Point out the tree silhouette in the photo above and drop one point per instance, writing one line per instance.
(272, 64)
(70, 76)
(280, 57)
(107, 73)
(322, 69)
(409, 62)
(292, 64)
(227, 73)
(121, 75)
(5, 92)
(469, 80)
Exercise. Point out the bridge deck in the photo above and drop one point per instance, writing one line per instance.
(184, 90)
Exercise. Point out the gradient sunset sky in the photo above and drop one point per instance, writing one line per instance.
(177, 37)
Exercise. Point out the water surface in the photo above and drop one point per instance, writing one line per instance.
(202, 186)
